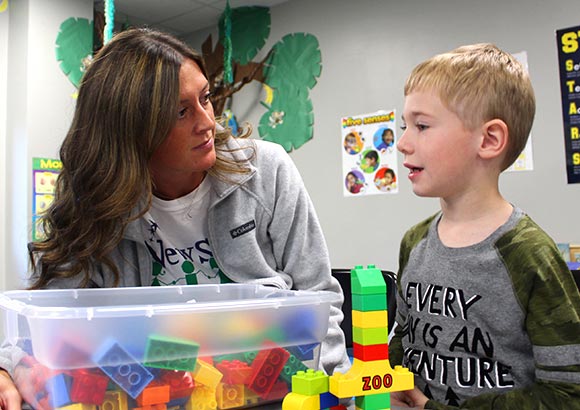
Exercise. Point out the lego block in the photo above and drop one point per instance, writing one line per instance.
(295, 401)
(159, 406)
(114, 400)
(251, 397)
(180, 383)
(230, 395)
(328, 400)
(370, 336)
(376, 318)
(207, 375)
(88, 387)
(310, 382)
(293, 365)
(153, 394)
(79, 406)
(123, 368)
(303, 352)
(374, 402)
(234, 372)
(202, 398)
(365, 303)
(367, 281)
(278, 391)
(266, 367)
(370, 352)
(171, 353)
(365, 378)
(59, 388)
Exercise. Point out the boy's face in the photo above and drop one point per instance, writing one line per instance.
(439, 151)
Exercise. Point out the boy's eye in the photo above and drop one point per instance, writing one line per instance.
(421, 127)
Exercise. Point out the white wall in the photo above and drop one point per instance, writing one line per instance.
(37, 113)
(4, 20)
(368, 49)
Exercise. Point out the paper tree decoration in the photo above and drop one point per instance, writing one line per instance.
(74, 47)
(288, 71)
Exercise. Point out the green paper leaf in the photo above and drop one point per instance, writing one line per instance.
(250, 30)
(289, 120)
(296, 60)
(74, 44)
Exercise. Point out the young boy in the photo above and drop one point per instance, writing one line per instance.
(488, 314)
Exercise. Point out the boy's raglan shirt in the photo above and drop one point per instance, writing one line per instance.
(499, 320)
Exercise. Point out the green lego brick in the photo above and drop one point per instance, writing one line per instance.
(171, 353)
(370, 336)
(379, 401)
(367, 281)
(368, 303)
(292, 366)
(310, 383)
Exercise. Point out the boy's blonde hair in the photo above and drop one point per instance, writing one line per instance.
(479, 83)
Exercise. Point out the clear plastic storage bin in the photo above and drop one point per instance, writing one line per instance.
(156, 348)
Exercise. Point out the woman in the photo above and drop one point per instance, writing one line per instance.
(153, 191)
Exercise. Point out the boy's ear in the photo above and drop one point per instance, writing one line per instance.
(494, 140)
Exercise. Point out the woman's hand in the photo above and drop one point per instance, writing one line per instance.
(9, 397)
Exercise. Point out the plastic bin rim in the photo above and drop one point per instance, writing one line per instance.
(16, 301)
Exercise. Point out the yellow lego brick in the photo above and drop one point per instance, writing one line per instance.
(115, 400)
(365, 378)
(79, 406)
(376, 318)
(206, 374)
(295, 401)
(230, 396)
(202, 398)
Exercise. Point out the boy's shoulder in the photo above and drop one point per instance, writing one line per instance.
(420, 230)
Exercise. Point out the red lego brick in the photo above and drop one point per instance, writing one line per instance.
(266, 368)
(180, 383)
(367, 353)
(235, 371)
(279, 391)
(88, 387)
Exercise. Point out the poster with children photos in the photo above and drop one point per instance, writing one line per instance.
(369, 154)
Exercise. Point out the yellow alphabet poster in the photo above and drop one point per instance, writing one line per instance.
(44, 174)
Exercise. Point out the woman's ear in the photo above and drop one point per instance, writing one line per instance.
(495, 137)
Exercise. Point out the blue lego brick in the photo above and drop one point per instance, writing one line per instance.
(328, 400)
(123, 368)
(59, 388)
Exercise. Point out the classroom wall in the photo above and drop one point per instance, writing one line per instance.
(368, 49)
(38, 106)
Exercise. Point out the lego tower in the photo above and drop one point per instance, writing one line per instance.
(371, 378)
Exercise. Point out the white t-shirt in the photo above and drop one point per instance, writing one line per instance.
(175, 233)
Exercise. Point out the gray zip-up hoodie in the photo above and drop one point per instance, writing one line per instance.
(262, 229)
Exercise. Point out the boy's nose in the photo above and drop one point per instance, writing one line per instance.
(402, 143)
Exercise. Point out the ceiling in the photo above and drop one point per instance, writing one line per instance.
(180, 17)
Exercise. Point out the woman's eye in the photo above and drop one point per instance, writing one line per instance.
(403, 127)
(181, 113)
(206, 98)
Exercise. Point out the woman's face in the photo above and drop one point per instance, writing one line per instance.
(188, 150)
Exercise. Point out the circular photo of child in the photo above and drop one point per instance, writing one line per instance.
(384, 138)
(353, 143)
(370, 161)
(385, 179)
(354, 182)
